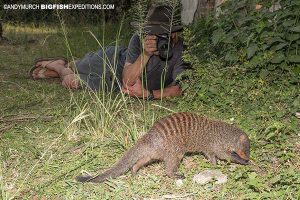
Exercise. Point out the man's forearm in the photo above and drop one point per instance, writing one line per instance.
(171, 91)
(133, 71)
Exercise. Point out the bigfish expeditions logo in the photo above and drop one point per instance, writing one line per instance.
(58, 6)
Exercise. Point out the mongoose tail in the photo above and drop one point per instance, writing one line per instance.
(127, 161)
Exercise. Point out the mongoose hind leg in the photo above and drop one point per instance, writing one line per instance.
(172, 162)
(140, 163)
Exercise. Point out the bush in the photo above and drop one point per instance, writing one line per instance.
(235, 72)
(256, 39)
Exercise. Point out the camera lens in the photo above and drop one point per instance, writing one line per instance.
(164, 46)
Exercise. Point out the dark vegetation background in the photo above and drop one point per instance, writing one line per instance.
(70, 16)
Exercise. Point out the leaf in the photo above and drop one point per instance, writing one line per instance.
(296, 102)
(255, 61)
(285, 14)
(228, 39)
(184, 86)
(250, 38)
(260, 26)
(239, 5)
(284, 66)
(296, 70)
(252, 175)
(288, 23)
(243, 20)
(280, 46)
(253, 180)
(251, 50)
(231, 56)
(264, 46)
(217, 36)
(270, 135)
(265, 34)
(293, 3)
(275, 179)
(294, 58)
(273, 40)
(272, 67)
(292, 52)
(243, 37)
(277, 58)
(292, 37)
(264, 73)
(213, 90)
(296, 29)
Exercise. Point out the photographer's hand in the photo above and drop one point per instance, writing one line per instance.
(132, 71)
(137, 90)
(150, 45)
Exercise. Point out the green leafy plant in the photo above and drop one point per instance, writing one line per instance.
(258, 39)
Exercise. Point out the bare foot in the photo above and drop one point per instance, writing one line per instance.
(56, 65)
(40, 72)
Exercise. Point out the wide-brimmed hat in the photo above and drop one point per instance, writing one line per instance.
(158, 21)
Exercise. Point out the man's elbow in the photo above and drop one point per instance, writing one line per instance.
(129, 75)
(125, 77)
(124, 80)
(127, 82)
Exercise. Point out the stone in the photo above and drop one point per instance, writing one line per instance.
(209, 175)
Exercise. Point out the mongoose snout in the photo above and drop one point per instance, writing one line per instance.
(242, 154)
(173, 136)
(237, 159)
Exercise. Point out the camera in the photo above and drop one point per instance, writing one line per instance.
(164, 46)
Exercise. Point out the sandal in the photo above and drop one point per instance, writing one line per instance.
(44, 70)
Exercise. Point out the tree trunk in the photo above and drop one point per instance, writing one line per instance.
(3, 40)
(189, 8)
(204, 7)
(1, 31)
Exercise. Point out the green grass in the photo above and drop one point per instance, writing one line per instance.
(53, 134)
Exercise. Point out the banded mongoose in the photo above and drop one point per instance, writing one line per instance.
(173, 136)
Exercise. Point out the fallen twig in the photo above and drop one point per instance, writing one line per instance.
(11, 122)
(6, 128)
(25, 118)
(172, 196)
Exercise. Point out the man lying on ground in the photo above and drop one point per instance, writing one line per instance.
(146, 69)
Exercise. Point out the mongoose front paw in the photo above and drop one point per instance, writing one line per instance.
(179, 176)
